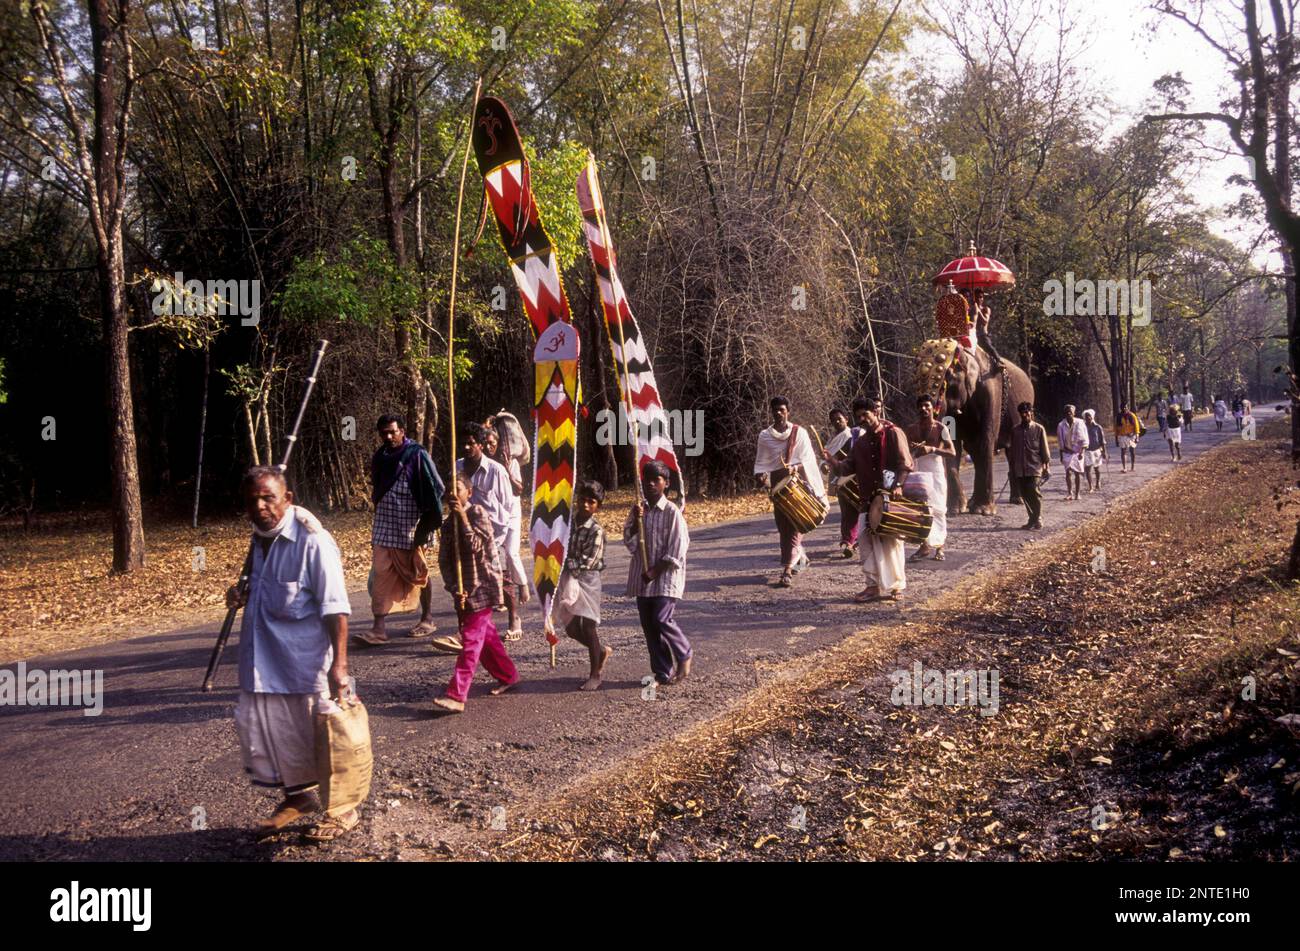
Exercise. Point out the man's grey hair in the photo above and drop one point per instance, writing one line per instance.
(255, 474)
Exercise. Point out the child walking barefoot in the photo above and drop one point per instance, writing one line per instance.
(577, 596)
(480, 575)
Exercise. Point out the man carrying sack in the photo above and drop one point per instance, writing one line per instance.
(293, 665)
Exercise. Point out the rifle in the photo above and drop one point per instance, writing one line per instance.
(246, 573)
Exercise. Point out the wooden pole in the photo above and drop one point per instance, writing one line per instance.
(451, 339)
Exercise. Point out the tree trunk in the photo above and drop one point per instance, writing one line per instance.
(128, 518)
(396, 235)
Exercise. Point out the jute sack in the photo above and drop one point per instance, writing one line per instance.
(344, 760)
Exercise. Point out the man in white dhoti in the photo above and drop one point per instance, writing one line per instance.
(292, 648)
(882, 448)
(1094, 454)
(785, 450)
(1072, 440)
(931, 449)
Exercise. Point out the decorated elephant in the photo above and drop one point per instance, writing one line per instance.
(980, 395)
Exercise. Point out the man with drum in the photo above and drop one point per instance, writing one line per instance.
(882, 461)
(931, 448)
(786, 464)
(844, 487)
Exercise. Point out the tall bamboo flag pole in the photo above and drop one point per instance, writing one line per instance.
(451, 338)
(625, 380)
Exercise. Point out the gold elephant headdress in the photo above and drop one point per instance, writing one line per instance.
(934, 359)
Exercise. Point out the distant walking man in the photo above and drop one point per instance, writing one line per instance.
(1128, 429)
(1095, 454)
(1030, 460)
(293, 652)
(407, 493)
(1188, 404)
(1072, 440)
(1174, 432)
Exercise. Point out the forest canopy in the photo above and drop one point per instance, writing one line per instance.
(782, 179)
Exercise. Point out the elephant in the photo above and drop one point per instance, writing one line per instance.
(980, 394)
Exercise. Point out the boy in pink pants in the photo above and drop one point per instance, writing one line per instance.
(480, 581)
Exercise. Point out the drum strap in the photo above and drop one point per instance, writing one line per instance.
(789, 446)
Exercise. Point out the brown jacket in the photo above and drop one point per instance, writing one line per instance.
(1029, 451)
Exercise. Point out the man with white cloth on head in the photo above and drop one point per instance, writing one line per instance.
(783, 450)
(1094, 454)
(1072, 440)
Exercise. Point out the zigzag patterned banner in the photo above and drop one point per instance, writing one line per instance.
(632, 361)
(499, 152)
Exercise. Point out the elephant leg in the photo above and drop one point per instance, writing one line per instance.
(981, 500)
(956, 494)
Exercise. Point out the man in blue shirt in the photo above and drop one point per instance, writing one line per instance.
(292, 644)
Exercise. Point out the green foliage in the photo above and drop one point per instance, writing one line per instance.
(554, 175)
(362, 286)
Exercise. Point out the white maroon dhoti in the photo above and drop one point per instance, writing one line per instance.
(882, 559)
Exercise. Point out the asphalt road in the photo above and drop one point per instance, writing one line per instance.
(157, 775)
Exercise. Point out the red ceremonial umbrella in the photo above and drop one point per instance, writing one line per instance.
(975, 272)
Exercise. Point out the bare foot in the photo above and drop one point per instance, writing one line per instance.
(683, 671)
(500, 688)
(448, 705)
(591, 683)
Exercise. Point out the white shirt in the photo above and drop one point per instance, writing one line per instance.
(1186, 400)
(841, 441)
(1072, 438)
(490, 488)
(770, 456)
